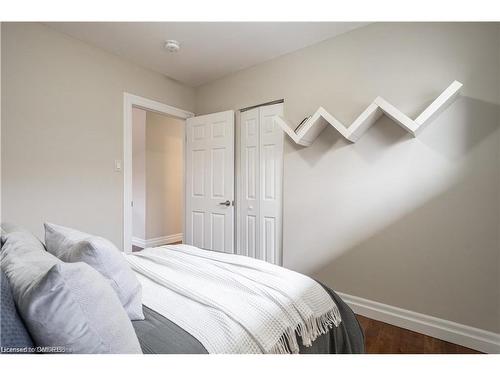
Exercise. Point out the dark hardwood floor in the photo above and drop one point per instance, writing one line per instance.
(383, 338)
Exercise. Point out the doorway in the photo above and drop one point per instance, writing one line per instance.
(157, 179)
(208, 178)
(133, 105)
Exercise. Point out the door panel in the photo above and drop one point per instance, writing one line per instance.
(251, 172)
(269, 240)
(250, 235)
(269, 172)
(198, 229)
(210, 181)
(218, 173)
(198, 173)
(217, 223)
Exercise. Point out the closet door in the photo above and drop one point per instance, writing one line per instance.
(261, 175)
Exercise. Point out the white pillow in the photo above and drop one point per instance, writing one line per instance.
(71, 245)
(66, 307)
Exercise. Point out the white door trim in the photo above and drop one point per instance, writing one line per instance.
(129, 101)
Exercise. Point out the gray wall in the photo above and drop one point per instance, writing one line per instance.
(409, 222)
(62, 128)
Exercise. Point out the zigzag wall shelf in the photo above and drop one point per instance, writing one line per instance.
(321, 118)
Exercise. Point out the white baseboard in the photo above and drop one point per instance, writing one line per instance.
(158, 241)
(470, 337)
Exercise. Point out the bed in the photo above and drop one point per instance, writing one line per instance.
(176, 295)
(158, 334)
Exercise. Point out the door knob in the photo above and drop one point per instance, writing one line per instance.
(226, 203)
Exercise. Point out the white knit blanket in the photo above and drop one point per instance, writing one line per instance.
(231, 303)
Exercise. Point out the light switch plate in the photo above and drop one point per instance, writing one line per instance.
(118, 165)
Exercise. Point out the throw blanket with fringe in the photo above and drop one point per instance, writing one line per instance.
(231, 303)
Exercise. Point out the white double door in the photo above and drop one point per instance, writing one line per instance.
(260, 182)
(210, 211)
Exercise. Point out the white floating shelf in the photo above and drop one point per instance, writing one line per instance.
(321, 118)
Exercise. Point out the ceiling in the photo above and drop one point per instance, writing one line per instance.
(209, 50)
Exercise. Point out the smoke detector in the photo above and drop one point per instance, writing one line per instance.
(172, 45)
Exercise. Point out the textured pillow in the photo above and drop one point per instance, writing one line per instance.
(66, 307)
(7, 228)
(14, 338)
(71, 245)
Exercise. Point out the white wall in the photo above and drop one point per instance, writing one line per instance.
(164, 175)
(139, 173)
(62, 128)
(408, 222)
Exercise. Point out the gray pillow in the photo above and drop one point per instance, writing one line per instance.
(7, 228)
(14, 337)
(66, 307)
(71, 245)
